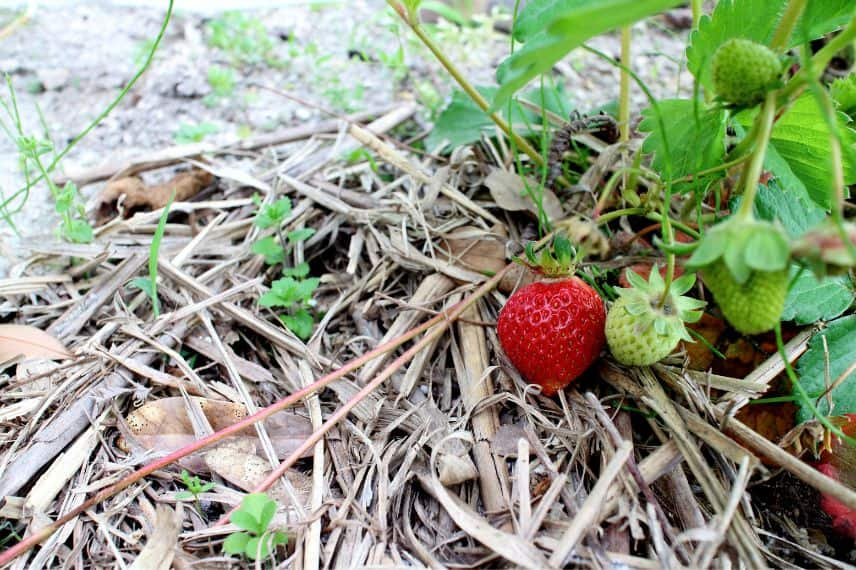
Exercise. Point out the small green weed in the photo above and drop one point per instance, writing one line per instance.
(150, 284)
(195, 487)
(32, 150)
(257, 541)
(189, 133)
(245, 39)
(294, 291)
(222, 81)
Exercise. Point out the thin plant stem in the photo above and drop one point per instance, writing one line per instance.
(443, 317)
(713, 169)
(624, 87)
(786, 25)
(464, 83)
(107, 110)
(609, 216)
(753, 174)
(697, 8)
(820, 60)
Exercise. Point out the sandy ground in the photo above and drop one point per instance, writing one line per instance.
(71, 59)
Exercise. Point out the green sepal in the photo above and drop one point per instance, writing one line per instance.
(644, 303)
(745, 246)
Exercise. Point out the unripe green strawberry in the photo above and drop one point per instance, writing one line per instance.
(752, 307)
(631, 341)
(639, 330)
(743, 71)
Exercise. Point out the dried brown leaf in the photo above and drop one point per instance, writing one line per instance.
(140, 197)
(509, 192)
(164, 426)
(240, 466)
(477, 250)
(17, 340)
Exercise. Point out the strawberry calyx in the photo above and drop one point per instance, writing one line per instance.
(556, 260)
(745, 245)
(668, 313)
(828, 249)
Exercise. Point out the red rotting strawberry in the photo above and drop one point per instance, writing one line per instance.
(839, 463)
(552, 331)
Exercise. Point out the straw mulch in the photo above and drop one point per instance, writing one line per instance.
(453, 462)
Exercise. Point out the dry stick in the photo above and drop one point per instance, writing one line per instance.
(633, 469)
(442, 322)
(442, 319)
(592, 508)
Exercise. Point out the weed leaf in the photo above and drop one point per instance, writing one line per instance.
(236, 543)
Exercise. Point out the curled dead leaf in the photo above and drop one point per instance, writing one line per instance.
(508, 190)
(240, 466)
(476, 249)
(29, 342)
(136, 196)
(164, 426)
(518, 276)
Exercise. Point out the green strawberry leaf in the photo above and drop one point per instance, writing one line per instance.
(820, 18)
(236, 543)
(843, 92)
(811, 299)
(840, 345)
(695, 137)
(566, 25)
(785, 199)
(801, 138)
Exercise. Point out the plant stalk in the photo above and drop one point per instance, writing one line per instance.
(468, 88)
(786, 25)
(820, 60)
(624, 87)
(753, 174)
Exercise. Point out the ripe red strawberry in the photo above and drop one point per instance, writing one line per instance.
(552, 331)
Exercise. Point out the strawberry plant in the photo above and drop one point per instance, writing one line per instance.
(753, 169)
(257, 540)
(293, 292)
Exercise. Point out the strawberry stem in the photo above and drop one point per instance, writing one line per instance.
(753, 174)
(786, 24)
